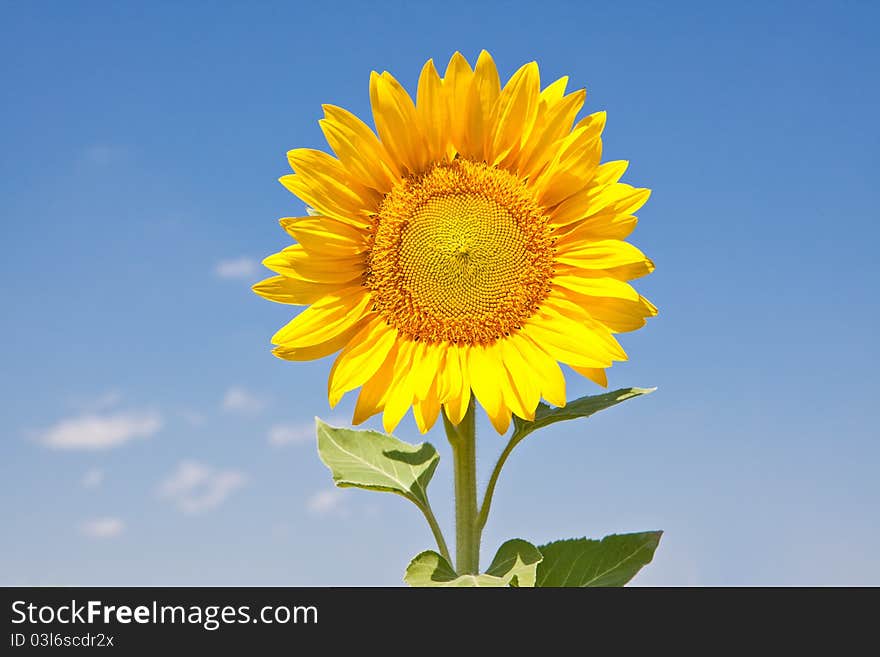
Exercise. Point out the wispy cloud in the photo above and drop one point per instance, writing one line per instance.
(95, 431)
(193, 418)
(196, 487)
(237, 268)
(299, 433)
(291, 434)
(325, 501)
(108, 527)
(93, 478)
(241, 400)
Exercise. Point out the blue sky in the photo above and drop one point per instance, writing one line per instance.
(138, 188)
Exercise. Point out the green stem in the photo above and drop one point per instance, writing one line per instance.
(463, 439)
(435, 529)
(493, 480)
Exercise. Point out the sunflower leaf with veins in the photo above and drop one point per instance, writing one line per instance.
(515, 564)
(583, 562)
(377, 461)
(579, 408)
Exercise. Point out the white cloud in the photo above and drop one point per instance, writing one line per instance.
(195, 487)
(240, 400)
(94, 431)
(291, 434)
(93, 478)
(299, 433)
(241, 268)
(102, 527)
(193, 418)
(325, 501)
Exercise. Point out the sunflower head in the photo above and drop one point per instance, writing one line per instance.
(469, 246)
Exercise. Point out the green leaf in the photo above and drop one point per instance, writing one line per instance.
(613, 561)
(430, 569)
(377, 461)
(583, 407)
(516, 562)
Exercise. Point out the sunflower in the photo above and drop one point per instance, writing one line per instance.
(469, 246)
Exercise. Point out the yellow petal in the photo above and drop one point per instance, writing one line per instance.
(555, 91)
(290, 290)
(425, 369)
(566, 341)
(448, 379)
(323, 172)
(374, 391)
(486, 80)
(596, 337)
(514, 397)
(632, 271)
(601, 254)
(325, 236)
(325, 319)
(575, 163)
(459, 395)
(397, 122)
(583, 203)
(548, 99)
(358, 148)
(361, 358)
(593, 374)
(296, 263)
(400, 393)
(514, 113)
(456, 407)
(620, 315)
(619, 199)
(599, 227)
(431, 109)
(482, 95)
(324, 196)
(547, 372)
(425, 411)
(456, 86)
(583, 136)
(552, 124)
(587, 129)
(485, 369)
(596, 286)
(331, 346)
(609, 173)
(521, 389)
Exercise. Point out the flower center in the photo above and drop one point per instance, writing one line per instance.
(460, 253)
